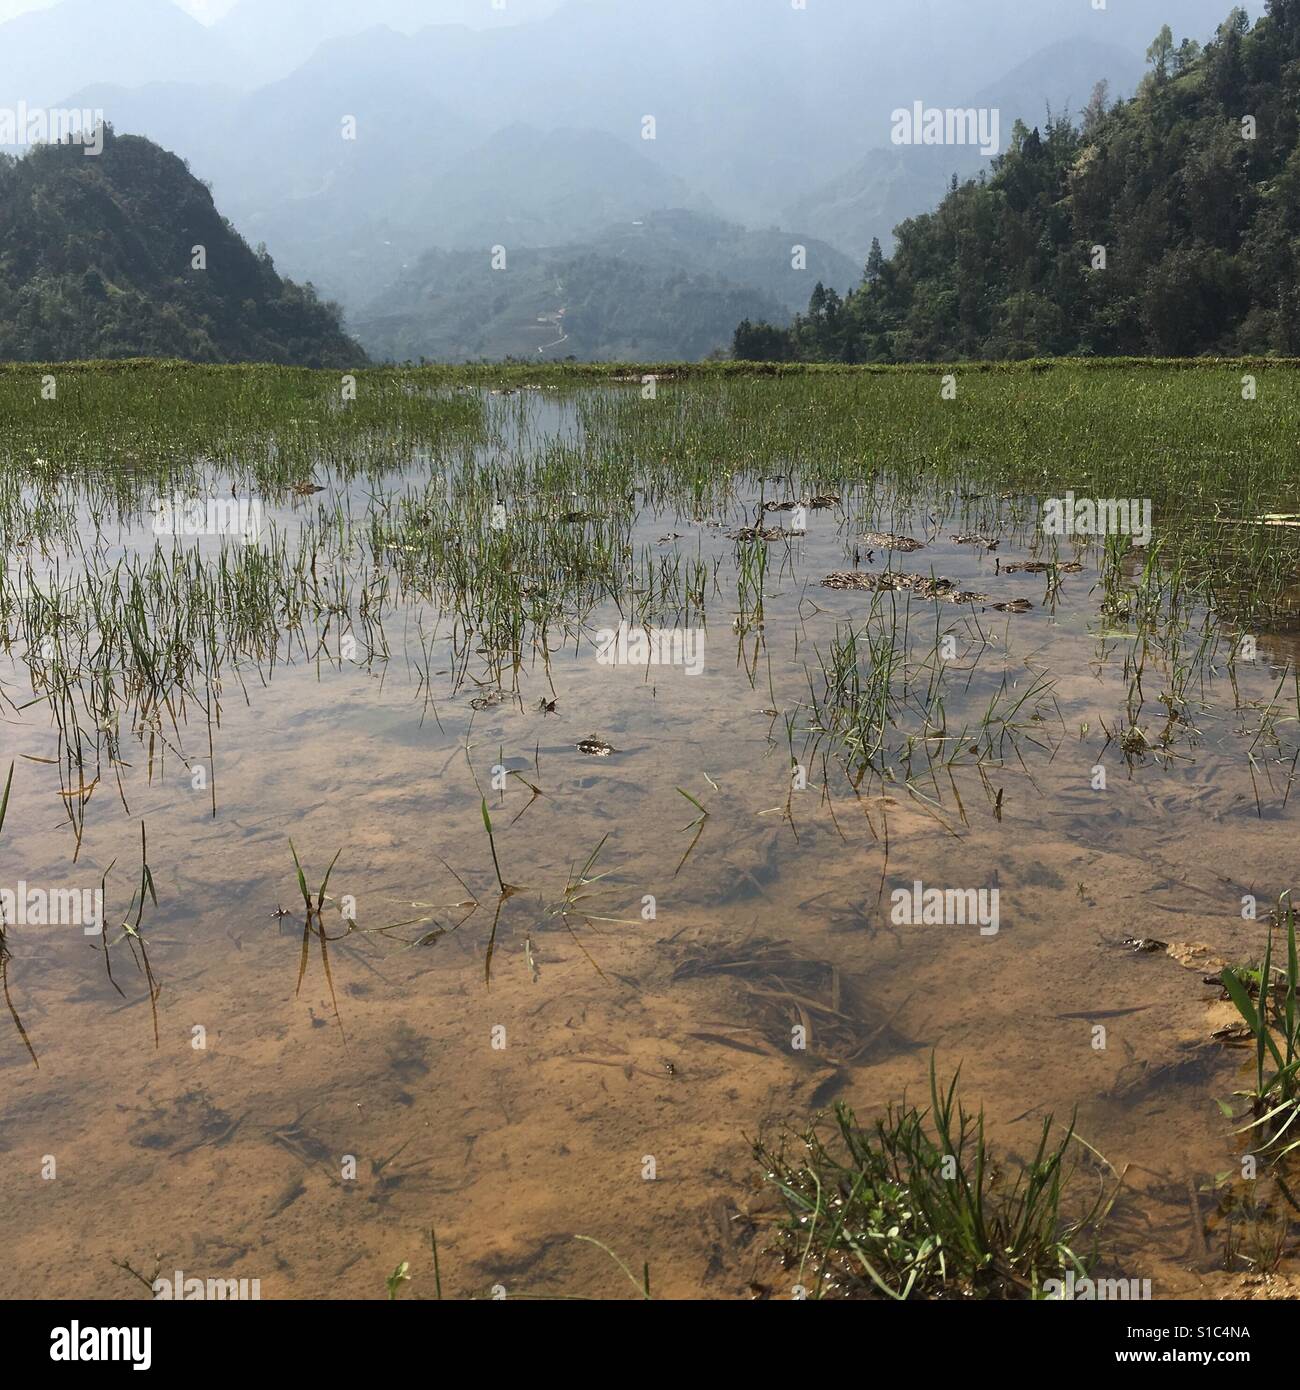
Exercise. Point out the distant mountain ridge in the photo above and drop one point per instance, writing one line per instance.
(660, 287)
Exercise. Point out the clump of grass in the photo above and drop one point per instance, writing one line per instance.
(915, 1207)
(1267, 1002)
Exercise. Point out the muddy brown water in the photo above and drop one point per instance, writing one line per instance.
(606, 1075)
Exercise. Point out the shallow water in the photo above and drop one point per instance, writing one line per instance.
(513, 1075)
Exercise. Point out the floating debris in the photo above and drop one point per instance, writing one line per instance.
(1134, 741)
(974, 538)
(887, 540)
(596, 747)
(820, 503)
(926, 585)
(1268, 519)
(1233, 1033)
(1015, 605)
(1039, 567)
(759, 533)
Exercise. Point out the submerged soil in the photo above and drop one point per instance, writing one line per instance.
(514, 1076)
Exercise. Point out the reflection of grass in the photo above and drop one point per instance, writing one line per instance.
(314, 925)
(915, 1207)
(5, 955)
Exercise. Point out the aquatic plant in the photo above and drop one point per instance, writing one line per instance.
(915, 1206)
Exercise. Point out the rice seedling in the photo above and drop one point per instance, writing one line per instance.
(314, 925)
(1267, 1004)
(696, 825)
(508, 890)
(132, 932)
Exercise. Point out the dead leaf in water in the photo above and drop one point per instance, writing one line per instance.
(596, 747)
(887, 540)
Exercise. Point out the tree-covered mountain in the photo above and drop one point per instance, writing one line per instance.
(1166, 225)
(888, 185)
(667, 286)
(98, 259)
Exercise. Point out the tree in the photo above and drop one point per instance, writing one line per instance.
(1160, 53)
(1187, 54)
(761, 342)
(1095, 111)
(875, 262)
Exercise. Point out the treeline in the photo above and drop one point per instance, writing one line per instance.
(1166, 225)
(97, 260)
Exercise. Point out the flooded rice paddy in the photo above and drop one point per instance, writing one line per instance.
(533, 805)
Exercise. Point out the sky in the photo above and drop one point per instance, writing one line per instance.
(206, 10)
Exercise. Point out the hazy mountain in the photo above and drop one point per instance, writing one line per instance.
(519, 188)
(659, 288)
(525, 127)
(272, 37)
(350, 215)
(47, 54)
(752, 100)
(97, 260)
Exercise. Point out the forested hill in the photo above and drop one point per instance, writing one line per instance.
(1188, 195)
(97, 260)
